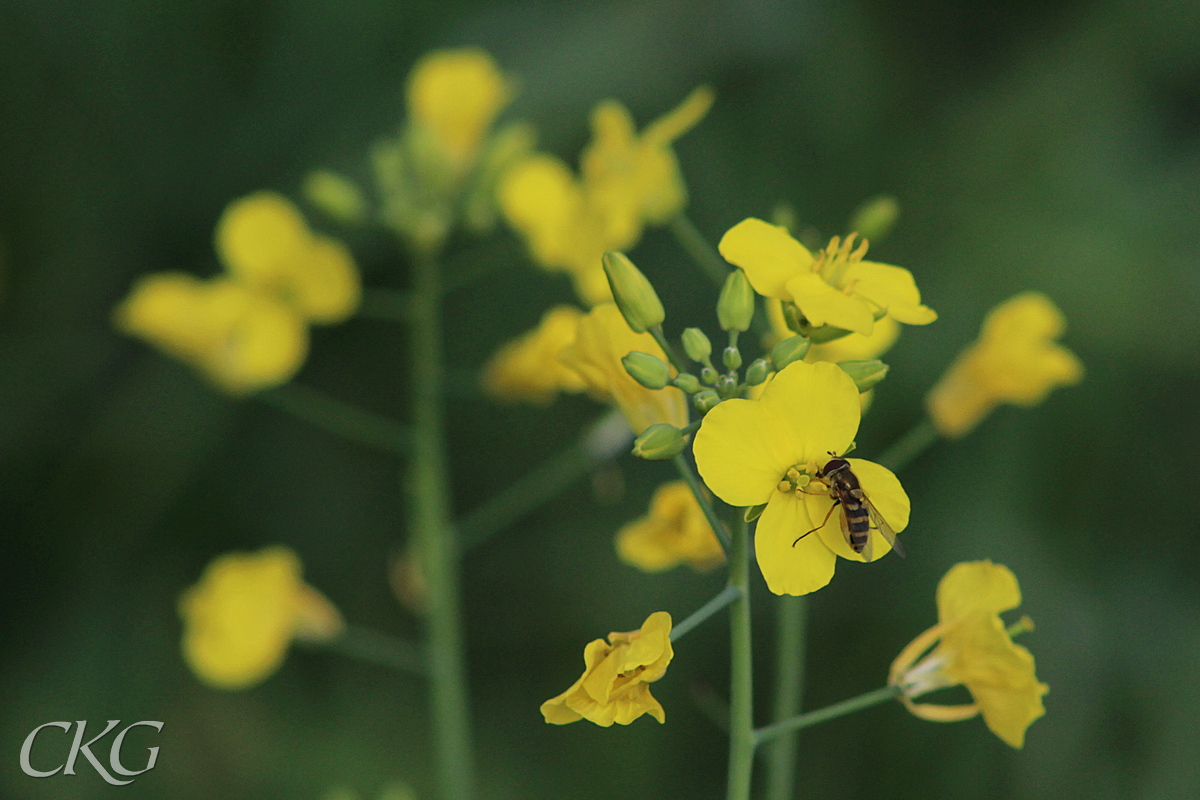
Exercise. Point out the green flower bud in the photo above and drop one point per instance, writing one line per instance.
(866, 374)
(735, 307)
(635, 296)
(705, 400)
(335, 195)
(650, 371)
(875, 218)
(727, 386)
(687, 382)
(696, 344)
(659, 442)
(758, 371)
(732, 358)
(709, 376)
(789, 350)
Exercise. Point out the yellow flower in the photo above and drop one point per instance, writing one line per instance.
(1015, 360)
(751, 452)
(241, 339)
(836, 288)
(527, 368)
(246, 609)
(602, 339)
(615, 685)
(263, 241)
(675, 531)
(854, 347)
(455, 95)
(974, 649)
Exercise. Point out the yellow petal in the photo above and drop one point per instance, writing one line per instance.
(817, 409)
(528, 369)
(975, 587)
(264, 345)
(259, 236)
(674, 531)
(767, 253)
(822, 304)
(325, 285)
(456, 94)
(857, 347)
(681, 119)
(891, 288)
(790, 566)
(883, 489)
(742, 451)
(540, 200)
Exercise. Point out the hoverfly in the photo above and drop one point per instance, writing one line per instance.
(858, 515)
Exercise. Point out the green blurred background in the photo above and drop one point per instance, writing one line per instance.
(1053, 146)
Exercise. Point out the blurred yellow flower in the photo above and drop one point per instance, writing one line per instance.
(674, 532)
(615, 685)
(752, 452)
(835, 288)
(1014, 360)
(263, 241)
(241, 339)
(602, 339)
(974, 649)
(454, 96)
(245, 611)
(627, 182)
(527, 368)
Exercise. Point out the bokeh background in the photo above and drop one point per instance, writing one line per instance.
(1044, 145)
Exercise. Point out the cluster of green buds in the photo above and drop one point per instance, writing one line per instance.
(711, 384)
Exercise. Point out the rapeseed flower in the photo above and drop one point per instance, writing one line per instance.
(674, 532)
(246, 609)
(454, 97)
(615, 685)
(1015, 360)
(528, 368)
(602, 339)
(972, 647)
(768, 451)
(835, 289)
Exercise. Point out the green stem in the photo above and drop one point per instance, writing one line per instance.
(341, 419)
(676, 360)
(741, 688)
(710, 514)
(388, 305)
(726, 596)
(917, 440)
(792, 624)
(432, 526)
(764, 735)
(367, 644)
(702, 253)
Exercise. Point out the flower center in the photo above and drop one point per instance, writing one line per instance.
(833, 261)
(794, 480)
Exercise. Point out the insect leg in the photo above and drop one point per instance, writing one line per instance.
(836, 503)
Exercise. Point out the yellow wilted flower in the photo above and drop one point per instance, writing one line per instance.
(837, 288)
(241, 339)
(245, 611)
(602, 339)
(454, 96)
(974, 649)
(527, 368)
(263, 241)
(752, 452)
(1015, 360)
(615, 685)
(674, 532)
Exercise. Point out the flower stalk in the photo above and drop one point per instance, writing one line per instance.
(862, 701)
(741, 687)
(791, 631)
(914, 442)
(693, 482)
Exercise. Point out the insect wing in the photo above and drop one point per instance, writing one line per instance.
(880, 524)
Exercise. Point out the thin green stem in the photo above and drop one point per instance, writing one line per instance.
(724, 598)
(791, 628)
(341, 419)
(431, 524)
(697, 247)
(389, 305)
(710, 514)
(676, 360)
(764, 735)
(367, 644)
(741, 687)
(917, 440)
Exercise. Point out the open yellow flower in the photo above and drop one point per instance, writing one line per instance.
(245, 611)
(615, 685)
(974, 649)
(528, 368)
(836, 288)
(751, 452)
(263, 241)
(239, 338)
(674, 532)
(602, 339)
(1015, 360)
(455, 95)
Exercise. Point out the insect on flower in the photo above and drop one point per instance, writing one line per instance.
(858, 515)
